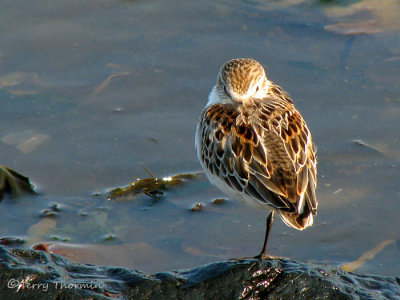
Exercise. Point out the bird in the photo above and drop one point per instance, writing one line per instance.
(254, 145)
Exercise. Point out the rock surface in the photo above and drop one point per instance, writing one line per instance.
(13, 184)
(30, 274)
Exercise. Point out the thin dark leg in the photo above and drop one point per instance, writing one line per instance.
(270, 220)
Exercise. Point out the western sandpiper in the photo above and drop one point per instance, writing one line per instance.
(256, 147)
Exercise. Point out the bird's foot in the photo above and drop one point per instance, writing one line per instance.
(261, 256)
(266, 256)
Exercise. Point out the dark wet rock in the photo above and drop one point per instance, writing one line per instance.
(13, 184)
(29, 274)
(12, 241)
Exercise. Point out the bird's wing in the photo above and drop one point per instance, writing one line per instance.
(285, 134)
(271, 160)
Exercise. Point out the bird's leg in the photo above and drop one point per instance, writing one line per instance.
(263, 254)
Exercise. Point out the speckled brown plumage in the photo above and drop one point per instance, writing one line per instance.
(254, 145)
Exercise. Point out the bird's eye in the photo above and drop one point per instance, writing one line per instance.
(257, 88)
(225, 89)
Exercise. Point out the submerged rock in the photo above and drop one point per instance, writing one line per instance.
(31, 274)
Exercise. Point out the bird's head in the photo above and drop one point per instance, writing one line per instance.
(241, 79)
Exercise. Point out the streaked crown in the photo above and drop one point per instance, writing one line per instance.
(242, 78)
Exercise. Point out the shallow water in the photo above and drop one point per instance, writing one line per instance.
(93, 94)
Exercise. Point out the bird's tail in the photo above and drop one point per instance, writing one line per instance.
(296, 220)
(303, 216)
